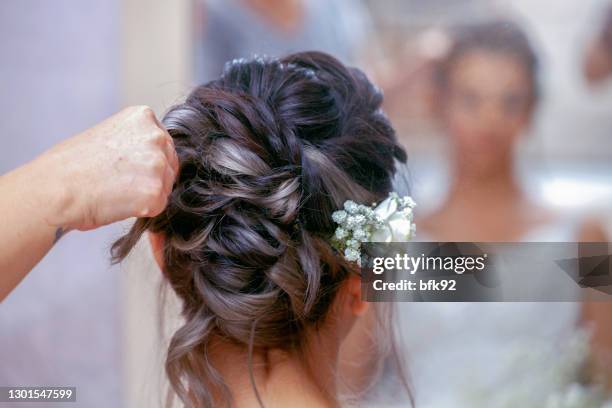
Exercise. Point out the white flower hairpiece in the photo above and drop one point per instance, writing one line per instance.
(389, 221)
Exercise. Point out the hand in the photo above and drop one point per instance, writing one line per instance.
(123, 167)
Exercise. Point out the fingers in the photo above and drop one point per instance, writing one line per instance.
(157, 122)
(171, 156)
(164, 177)
(172, 168)
(162, 168)
(167, 144)
(169, 177)
(134, 178)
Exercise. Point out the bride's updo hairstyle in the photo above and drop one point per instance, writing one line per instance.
(267, 152)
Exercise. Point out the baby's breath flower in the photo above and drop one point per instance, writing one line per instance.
(341, 233)
(339, 216)
(360, 219)
(355, 221)
(350, 222)
(352, 243)
(352, 255)
(360, 234)
(351, 207)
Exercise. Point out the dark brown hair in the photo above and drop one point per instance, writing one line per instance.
(267, 152)
(500, 36)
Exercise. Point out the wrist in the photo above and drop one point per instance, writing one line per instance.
(54, 196)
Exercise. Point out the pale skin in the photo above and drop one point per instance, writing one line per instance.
(282, 377)
(123, 167)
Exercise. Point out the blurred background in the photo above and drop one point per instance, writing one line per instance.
(66, 64)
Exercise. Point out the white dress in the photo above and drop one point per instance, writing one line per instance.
(477, 354)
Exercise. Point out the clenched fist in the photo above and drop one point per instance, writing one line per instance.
(123, 167)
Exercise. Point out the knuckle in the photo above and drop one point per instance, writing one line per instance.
(163, 200)
(158, 162)
(158, 135)
(144, 111)
(154, 190)
(158, 208)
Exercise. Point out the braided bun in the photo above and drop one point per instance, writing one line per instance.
(267, 152)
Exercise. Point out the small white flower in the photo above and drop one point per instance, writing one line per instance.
(360, 219)
(339, 216)
(341, 233)
(360, 234)
(365, 210)
(352, 255)
(355, 221)
(407, 201)
(351, 207)
(352, 243)
(407, 212)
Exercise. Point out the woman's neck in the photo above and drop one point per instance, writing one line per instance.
(497, 187)
(282, 378)
(484, 206)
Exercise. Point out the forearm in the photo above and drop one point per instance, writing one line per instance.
(123, 167)
(27, 206)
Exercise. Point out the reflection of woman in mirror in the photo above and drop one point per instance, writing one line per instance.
(488, 92)
(267, 152)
